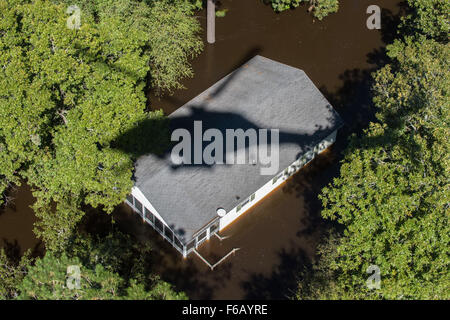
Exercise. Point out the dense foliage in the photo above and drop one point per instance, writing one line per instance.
(12, 271)
(393, 193)
(429, 18)
(320, 8)
(167, 27)
(110, 267)
(66, 96)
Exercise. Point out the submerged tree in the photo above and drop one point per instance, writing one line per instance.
(63, 278)
(429, 18)
(393, 193)
(169, 30)
(106, 266)
(66, 94)
(319, 8)
(12, 272)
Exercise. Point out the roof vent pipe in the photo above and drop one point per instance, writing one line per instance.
(221, 212)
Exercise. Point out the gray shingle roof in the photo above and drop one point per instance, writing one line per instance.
(261, 94)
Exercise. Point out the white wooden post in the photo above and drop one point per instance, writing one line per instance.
(211, 21)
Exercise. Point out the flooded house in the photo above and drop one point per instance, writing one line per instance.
(191, 198)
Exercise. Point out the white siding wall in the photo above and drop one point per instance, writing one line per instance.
(273, 183)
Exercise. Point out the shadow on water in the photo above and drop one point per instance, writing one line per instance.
(391, 22)
(166, 262)
(279, 235)
(14, 251)
(305, 186)
(308, 184)
(353, 101)
(282, 282)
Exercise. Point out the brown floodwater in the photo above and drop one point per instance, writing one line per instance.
(279, 235)
(16, 223)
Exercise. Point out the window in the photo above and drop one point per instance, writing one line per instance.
(130, 199)
(190, 246)
(138, 205)
(201, 237)
(302, 161)
(178, 243)
(276, 178)
(251, 198)
(322, 146)
(213, 228)
(168, 233)
(242, 204)
(149, 215)
(158, 225)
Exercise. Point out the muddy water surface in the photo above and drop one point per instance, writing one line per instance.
(279, 235)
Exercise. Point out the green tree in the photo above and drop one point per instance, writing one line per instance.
(428, 17)
(320, 8)
(111, 265)
(117, 252)
(12, 271)
(392, 195)
(50, 278)
(67, 94)
(168, 27)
